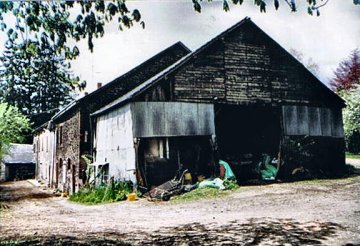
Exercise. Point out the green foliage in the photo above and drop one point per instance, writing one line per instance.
(261, 4)
(352, 119)
(231, 184)
(34, 69)
(115, 191)
(34, 79)
(55, 22)
(352, 156)
(89, 170)
(12, 126)
(202, 193)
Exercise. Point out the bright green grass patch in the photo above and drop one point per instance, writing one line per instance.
(114, 192)
(352, 156)
(201, 193)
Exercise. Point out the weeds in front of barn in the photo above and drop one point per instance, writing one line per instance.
(114, 192)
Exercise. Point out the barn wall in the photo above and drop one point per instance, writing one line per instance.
(157, 119)
(44, 142)
(312, 121)
(114, 143)
(248, 67)
(68, 152)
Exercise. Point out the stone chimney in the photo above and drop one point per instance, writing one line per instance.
(99, 85)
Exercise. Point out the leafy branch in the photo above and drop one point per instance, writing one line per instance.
(312, 5)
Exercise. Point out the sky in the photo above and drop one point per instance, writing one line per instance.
(327, 39)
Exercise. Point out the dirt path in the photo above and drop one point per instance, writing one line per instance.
(314, 212)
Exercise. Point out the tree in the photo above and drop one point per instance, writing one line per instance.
(35, 80)
(346, 83)
(12, 126)
(309, 64)
(34, 68)
(352, 119)
(313, 5)
(56, 21)
(347, 75)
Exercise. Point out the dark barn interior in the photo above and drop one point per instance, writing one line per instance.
(244, 133)
(161, 159)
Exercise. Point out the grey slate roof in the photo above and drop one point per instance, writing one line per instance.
(20, 154)
(130, 79)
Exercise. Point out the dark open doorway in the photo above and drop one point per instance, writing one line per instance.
(161, 158)
(244, 133)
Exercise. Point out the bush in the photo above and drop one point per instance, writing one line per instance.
(115, 191)
(351, 119)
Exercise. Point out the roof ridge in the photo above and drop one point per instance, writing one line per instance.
(178, 43)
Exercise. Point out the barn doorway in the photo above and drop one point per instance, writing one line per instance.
(244, 133)
(161, 158)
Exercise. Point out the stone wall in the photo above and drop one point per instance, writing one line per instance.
(68, 152)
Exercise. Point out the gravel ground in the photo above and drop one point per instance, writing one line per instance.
(301, 213)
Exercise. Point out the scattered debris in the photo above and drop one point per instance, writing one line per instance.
(164, 192)
(4, 206)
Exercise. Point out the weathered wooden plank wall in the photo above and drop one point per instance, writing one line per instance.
(159, 119)
(312, 121)
(248, 67)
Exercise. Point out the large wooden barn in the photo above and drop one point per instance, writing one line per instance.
(237, 97)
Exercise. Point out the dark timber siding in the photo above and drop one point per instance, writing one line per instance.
(248, 67)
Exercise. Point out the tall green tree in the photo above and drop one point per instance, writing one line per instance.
(12, 127)
(35, 71)
(35, 80)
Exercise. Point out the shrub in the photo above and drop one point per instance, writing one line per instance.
(115, 191)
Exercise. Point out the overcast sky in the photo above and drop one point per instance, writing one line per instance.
(327, 39)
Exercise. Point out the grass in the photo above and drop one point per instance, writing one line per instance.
(113, 192)
(352, 156)
(207, 192)
(201, 193)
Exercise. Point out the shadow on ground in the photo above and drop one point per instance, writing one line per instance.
(274, 232)
(12, 193)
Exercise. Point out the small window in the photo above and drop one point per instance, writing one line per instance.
(69, 164)
(59, 137)
(103, 173)
(86, 137)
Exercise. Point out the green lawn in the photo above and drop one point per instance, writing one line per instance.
(352, 156)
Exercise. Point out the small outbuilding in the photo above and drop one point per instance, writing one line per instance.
(18, 164)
